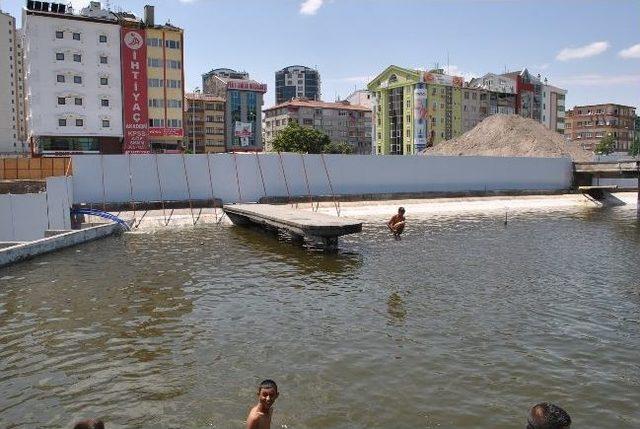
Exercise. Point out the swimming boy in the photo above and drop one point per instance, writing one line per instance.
(397, 222)
(260, 415)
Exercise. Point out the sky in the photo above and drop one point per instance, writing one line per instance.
(591, 48)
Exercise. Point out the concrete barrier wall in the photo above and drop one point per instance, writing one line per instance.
(249, 177)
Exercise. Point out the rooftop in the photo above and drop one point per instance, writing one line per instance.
(301, 102)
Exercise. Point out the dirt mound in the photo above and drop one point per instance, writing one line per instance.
(511, 135)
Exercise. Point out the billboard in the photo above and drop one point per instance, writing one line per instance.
(243, 130)
(443, 79)
(133, 51)
(166, 132)
(420, 117)
(247, 85)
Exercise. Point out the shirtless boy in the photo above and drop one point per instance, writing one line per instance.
(397, 222)
(260, 415)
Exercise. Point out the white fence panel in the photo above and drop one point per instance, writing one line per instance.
(225, 183)
(274, 179)
(144, 177)
(26, 216)
(59, 201)
(198, 177)
(117, 184)
(6, 218)
(249, 175)
(87, 172)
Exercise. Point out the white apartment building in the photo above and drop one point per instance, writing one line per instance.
(553, 108)
(12, 129)
(361, 97)
(73, 77)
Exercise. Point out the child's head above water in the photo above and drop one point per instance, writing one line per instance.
(267, 393)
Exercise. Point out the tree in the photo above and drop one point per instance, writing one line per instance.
(606, 145)
(634, 149)
(295, 138)
(340, 148)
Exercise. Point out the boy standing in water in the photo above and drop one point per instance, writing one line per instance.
(397, 222)
(260, 415)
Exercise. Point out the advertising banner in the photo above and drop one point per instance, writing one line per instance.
(443, 79)
(134, 95)
(166, 132)
(247, 86)
(243, 129)
(420, 118)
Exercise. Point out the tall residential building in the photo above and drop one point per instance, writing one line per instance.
(361, 97)
(243, 103)
(476, 106)
(204, 123)
(413, 109)
(588, 124)
(297, 82)
(341, 121)
(152, 69)
(72, 65)
(553, 108)
(12, 126)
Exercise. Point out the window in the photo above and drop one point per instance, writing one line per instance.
(154, 62)
(59, 56)
(105, 123)
(60, 78)
(104, 102)
(77, 58)
(76, 36)
(103, 59)
(62, 100)
(102, 38)
(79, 122)
(466, 95)
(78, 101)
(156, 83)
(62, 122)
(77, 79)
(59, 34)
(104, 81)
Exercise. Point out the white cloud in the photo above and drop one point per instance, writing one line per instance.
(630, 52)
(599, 80)
(454, 70)
(586, 51)
(310, 7)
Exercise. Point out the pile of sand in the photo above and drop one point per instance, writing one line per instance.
(511, 135)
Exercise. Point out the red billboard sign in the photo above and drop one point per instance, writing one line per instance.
(247, 86)
(134, 96)
(166, 132)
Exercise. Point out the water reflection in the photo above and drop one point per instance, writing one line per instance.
(395, 308)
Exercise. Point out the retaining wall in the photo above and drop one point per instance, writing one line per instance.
(250, 177)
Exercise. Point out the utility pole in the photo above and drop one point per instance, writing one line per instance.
(193, 119)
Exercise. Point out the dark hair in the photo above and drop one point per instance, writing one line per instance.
(401, 209)
(268, 384)
(89, 424)
(548, 416)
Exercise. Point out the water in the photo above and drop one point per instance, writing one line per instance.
(465, 323)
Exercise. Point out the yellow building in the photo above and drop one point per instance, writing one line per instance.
(204, 123)
(165, 92)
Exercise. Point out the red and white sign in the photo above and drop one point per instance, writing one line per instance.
(170, 132)
(134, 82)
(247, 86)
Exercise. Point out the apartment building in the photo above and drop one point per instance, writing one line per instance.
(589, 123)
(243, 98)
(72, 67)
(361, 97)
(553, 108)
(341, 121)
(204, 123)
(476, 106)
(297, 82)
(12, 125)
(413, 109)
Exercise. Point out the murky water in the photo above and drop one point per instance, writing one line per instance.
(465, 323)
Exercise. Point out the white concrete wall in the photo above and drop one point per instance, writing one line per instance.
(24, 216)
(59, 197)
(248, 177)
(43, 90)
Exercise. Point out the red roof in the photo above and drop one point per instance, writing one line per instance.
(297, 102)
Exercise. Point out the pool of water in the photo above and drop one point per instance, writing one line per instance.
(464, 323)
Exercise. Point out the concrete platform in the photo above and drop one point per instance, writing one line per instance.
(315, 227)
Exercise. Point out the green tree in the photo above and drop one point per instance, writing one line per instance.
(343, 148)
(606, 145)
(295, 138)
(634, 149)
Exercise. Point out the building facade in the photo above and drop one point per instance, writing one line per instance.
(413, 109)
(12, 123)
(589, 123)
(204, 123)
(74, 97)
(341, 121)
(361, 97)
(243, 106)
(553, 108)
(476, 106)
(297, 82)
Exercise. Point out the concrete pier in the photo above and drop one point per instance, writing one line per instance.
(302, 225)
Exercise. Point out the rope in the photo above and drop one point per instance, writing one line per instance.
(264, 188)
(186, 178)
(215, 211)
(133, 203)
(285, 179)
(235, 161)
(164, 215)
(104, 191)
(306, 179)
(333, 195)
